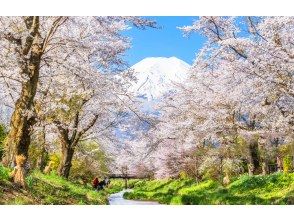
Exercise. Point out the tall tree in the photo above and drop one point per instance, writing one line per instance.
(37, 48)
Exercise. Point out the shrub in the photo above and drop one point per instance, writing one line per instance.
(35, 152)
(288, 164)
(81, 170)
(3, 134)
(55, 160)
(183, 175)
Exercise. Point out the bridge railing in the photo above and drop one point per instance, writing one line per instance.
(128, 176)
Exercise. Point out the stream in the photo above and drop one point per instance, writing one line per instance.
(117, 199)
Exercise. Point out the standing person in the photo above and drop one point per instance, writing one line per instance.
(95, 183)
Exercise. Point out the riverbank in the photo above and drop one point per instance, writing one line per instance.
(52, 189)
(271, 189)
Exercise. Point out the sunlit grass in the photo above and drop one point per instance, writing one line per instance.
(271, 189)
(52, 189)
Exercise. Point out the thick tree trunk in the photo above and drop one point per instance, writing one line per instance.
(68, 143)
(66, 159)
(18, 139)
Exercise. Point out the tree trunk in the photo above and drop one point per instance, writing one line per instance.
(126, 182)
(263, 156)
(264, 167)
(42, 160)
(22, 120)
(253, 160)
(66, 159)
(250, 169)
(221, 170)
(279, 164)
(18, 139)
(41, 164)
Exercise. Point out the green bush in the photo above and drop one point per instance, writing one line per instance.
(287, 164)
(55, 161)
(3, 134)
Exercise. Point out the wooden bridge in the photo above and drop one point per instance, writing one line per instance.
(127, 176)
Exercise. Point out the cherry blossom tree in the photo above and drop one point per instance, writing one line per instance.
(35, 49)
(240, 87)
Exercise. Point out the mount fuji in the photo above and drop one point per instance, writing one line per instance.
(157, 76)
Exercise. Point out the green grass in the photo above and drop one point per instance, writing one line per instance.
(117, 185)
(157, 190)
(271, 189)
(4, 177)
(52, 189)
(4, 173)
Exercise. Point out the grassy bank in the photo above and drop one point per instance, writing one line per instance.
(117, 185)
(52, 189)
(272, 189)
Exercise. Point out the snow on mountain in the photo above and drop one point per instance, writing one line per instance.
(157, 76)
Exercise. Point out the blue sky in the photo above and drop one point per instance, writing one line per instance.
(165, 42)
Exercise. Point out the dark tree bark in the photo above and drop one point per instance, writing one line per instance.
(66, 160)
(253, 160)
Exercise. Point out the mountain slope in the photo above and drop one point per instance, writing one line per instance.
(157, 75)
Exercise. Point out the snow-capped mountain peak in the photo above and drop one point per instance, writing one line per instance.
(156, 76)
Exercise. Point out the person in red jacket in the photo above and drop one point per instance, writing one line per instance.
(95, 183)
